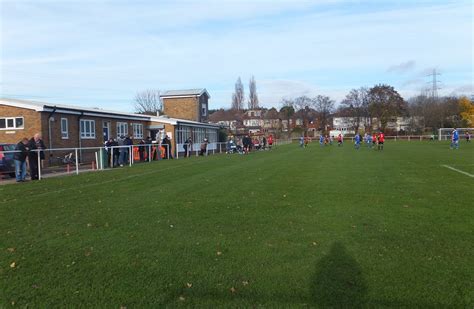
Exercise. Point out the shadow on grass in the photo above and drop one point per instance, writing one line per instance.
(338, 280)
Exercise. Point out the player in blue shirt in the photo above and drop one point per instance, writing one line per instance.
(367, 140)
(454, 139)
(357, 141)
(321, 140)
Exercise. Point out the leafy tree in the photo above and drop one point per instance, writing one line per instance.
(385, 103)
(467, 112)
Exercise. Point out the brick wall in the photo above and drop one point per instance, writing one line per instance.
(37, 122)
(183, 108)
(31, 123)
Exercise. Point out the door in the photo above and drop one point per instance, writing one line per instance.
(106, 130)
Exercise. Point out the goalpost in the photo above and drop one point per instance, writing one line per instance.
(445, 133)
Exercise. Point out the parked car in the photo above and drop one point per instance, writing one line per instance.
(7, 163)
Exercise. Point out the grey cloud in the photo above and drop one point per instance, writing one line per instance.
(402, 67)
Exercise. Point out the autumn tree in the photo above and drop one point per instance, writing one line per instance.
(385, 102)
(253, 98)
(238, 97)
(356, 104)
(466, 107)
(148, 102)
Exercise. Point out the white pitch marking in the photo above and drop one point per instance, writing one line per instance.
(459, 171)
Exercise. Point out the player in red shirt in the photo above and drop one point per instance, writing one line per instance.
(374, 140)
(339, 140)
(270, 141)
(381, 140)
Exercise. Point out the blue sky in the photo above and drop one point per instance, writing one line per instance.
(100, 53)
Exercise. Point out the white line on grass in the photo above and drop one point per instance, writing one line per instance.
(459, 171)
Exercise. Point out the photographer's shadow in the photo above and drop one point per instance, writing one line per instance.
(338, 280)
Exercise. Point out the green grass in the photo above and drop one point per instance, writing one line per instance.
(287, 228)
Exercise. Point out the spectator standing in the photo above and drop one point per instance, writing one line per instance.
(203, 147)
(167, 144)
(141, 150)
(20, 159)
(246, 141)
(122, 151)
(35, 143)
(148, 148)
(187, 147)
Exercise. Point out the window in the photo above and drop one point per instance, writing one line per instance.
(204, 110)
(64, 128)
(11, 123)
(137, 130)
(122, 129)
(87, 129)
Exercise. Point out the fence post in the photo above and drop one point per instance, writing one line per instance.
(101, 158)
(130, 155)
(77, 161)
(112, 155)
(177, 151)
(149, 153)
(39, 165)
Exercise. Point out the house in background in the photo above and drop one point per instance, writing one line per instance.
(192, 104)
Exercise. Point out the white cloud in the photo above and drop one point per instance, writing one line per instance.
(292, 47)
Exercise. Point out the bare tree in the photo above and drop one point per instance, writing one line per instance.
(253, 98)
(148, 102)
(356, 104)
(324, 107)
(238, 97)
(304, 110)
(287, 111)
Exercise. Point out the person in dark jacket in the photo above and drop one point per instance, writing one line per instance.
(35, 145)
(188, 147)
(166, 143)
(20, 159)
(141, 150)
(247, 142)
(115, 152)
(148, 151)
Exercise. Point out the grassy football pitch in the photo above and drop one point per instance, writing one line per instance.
(289, 227)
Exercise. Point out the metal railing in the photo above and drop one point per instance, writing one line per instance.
(63, 161)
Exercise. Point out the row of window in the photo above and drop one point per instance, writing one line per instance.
(11, 123)
(87, 129)
(197, 134)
